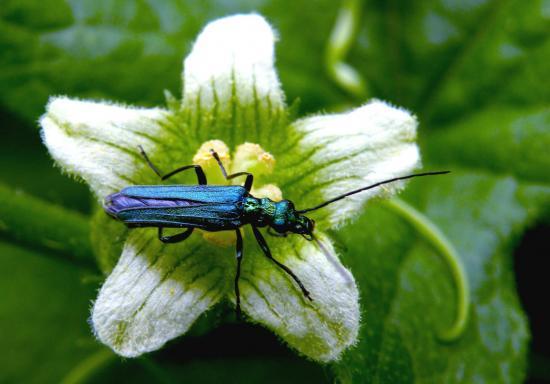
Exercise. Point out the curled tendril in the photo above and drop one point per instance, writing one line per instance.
(445, 248)
(339, 44)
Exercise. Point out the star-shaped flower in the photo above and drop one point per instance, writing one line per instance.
(232, 96)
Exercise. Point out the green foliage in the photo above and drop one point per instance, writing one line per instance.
(474, 72)
(99, 49)
(34, 222)
(43, 315)
(408, 294)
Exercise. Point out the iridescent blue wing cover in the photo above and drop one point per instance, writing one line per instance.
(212, 207)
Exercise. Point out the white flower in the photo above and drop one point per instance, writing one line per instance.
(232, 94)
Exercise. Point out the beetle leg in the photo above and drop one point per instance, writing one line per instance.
(175, 238)
(249, 176)
(267, 252)
(201, 177)
(239, 255)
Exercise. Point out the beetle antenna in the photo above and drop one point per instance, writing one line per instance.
(332, 259)
(337, 198)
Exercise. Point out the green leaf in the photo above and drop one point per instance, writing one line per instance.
(101, 49)
(502, 61)
(26, 165)
(408, 295)
(504, 141)
(444, 59)
(42, 316)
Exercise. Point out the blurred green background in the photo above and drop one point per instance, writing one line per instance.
(476, 74)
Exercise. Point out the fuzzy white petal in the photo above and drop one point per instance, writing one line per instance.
(98, 141)
(320, 329)
(154, 294)
(232, 57)
(355, 149)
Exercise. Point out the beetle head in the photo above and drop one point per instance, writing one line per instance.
(304, 226)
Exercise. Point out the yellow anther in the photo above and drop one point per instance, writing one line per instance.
(253, 158)
(204, 158)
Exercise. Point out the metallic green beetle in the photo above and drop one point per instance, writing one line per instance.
(217, 208)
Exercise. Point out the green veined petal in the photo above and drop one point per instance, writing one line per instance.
(156, 292)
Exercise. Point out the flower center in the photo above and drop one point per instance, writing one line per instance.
(248, 157)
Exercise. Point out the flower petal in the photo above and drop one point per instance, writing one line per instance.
(320, 329)
(98, 141)
(230, 83)
(156, 292)
(351, 150)
(234, 52)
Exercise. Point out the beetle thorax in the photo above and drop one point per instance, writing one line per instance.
(277, 214)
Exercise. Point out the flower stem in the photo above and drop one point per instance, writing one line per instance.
(35, 222)
(438, 240)
(84, 371)
(339, 43)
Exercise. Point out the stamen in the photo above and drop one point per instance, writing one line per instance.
(204, 158)
(253, 158)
